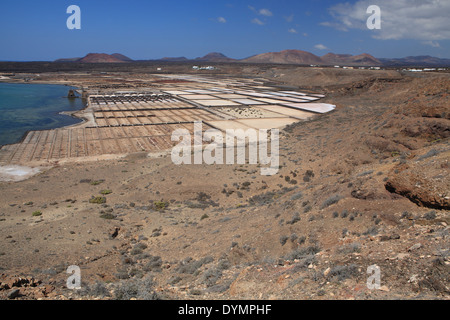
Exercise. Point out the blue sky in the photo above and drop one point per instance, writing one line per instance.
(36, 30)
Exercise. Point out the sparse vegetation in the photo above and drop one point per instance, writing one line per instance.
(341, 273)
(160, 205)
(331, 200)
(107, 216)
(140, 289)
(301, 253)
(97, 200)
(349, 248)
(96, 182)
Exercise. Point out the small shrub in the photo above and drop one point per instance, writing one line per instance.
(349, 248)
(37, 214)
(97, 200)
(205, 216)
(107, 216)
(211, 276)
(431, 153)
(308, 175)
(406, 215)
(431, 215)
(301, 253)
(190, 266)
(160, 205)
(295, 218)
(301, 240)
(372, 231)
(136, 251)
(97, 182)
(330, 201)
(283, 240)
(96, 290)
(141, 289)
(154, 264)
(342, 273)
(105, 192)
(296, 196)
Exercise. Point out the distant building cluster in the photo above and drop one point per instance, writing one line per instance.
(352, 68)
(425, 69)
(204, 68)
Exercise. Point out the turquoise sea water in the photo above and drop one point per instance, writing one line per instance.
(25, 107)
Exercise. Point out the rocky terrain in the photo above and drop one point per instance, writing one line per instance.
(367, 184)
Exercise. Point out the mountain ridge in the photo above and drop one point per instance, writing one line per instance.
(290, 56)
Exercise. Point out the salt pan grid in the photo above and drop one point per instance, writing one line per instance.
(137, 122)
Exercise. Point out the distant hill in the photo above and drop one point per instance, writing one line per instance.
(174, 59)
(68, 60)
(304, 57)
(215, 57)
(419, 61)
(285, 57)
(347, 59)
(121, 57)
(99, 58)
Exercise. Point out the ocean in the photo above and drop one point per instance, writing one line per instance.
(25, 107)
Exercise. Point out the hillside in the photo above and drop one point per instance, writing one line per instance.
(98, 58)
(285, 57)
(361, 186)
(121, 57)
(215, 57)
(347, 59)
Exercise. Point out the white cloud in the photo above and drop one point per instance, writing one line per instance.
(289, 18)
(292, 30)
(258, 22)
(265, 12)
(262, 12)
(400, 19)
(320, 47)
(434, 44)
(222, 20)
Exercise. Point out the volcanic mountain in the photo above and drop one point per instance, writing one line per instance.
(99, 58)
(417, 61)
(304, 57)
(285, 57)
(121, 57)
(347, 59)
(215, 57)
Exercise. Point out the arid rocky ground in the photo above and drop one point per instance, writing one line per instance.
(367, 184)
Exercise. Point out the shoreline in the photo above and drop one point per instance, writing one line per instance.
(72, 114)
